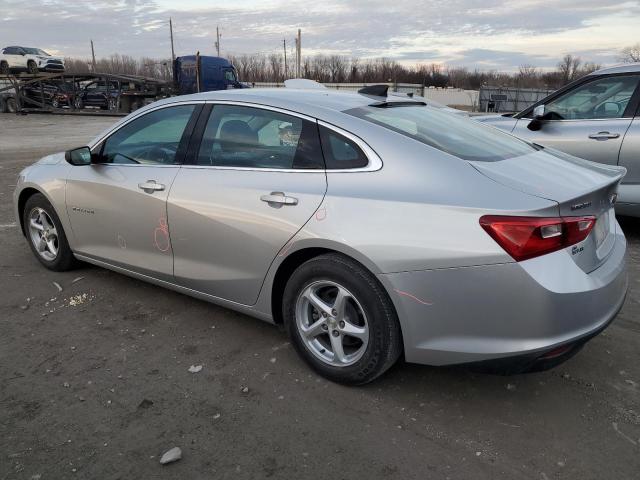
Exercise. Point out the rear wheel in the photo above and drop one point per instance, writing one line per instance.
(32, 67)
(341, 320)
(46, 236)
(4, 68)
(78, 104)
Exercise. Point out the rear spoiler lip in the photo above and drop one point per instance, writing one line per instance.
(615, 174)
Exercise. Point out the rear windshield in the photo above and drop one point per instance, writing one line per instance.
(453, 134)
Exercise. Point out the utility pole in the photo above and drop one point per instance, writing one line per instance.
(284, 45)
(218, 40)
(93, 58)
(299, 53)
(173, 53)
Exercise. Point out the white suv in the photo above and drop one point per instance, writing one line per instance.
(32, 60)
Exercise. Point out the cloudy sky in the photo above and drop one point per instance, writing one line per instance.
(485, 34)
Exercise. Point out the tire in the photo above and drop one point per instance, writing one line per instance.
(55, 103)
(32, 68)
(78, 104)
(63, 259)
(113, 104)
(367, 313)
(10, 105)
(4, 68)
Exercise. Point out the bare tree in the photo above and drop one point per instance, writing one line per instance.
(630, 54)
(569, 67)
(336, 68)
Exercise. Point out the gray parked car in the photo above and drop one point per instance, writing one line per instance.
(369, 226)
(597, 118)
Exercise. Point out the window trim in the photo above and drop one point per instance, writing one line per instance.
(98, 144)
(374, 161)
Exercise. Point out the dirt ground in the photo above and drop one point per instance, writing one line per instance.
(94, 383)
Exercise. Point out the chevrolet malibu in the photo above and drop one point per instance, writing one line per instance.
(371, 226)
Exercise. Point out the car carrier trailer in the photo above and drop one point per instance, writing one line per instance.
(122, 94)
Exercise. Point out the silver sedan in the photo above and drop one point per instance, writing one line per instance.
(370, 226)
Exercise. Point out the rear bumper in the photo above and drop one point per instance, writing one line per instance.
(509, 311)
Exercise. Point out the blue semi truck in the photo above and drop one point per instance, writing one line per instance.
(198, 73)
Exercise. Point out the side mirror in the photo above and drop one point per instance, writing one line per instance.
(538, 119)
(78, 156)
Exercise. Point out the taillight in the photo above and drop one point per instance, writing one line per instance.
(528, 237)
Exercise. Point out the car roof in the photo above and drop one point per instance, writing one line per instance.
(311, 101)
(622, 68)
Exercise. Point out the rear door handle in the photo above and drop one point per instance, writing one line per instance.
(151, 186)
(603, 136)
(278, 199)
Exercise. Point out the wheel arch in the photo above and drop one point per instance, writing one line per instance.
(306, 252)
(24, 196)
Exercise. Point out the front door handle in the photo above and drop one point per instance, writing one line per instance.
(603, 136)
(151, 186)
(278, 199)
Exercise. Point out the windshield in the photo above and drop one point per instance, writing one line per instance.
(459, 136)
(36, 51)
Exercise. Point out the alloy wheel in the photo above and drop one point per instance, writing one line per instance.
(43, 233)
(332, 323)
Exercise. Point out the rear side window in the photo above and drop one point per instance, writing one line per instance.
(341, 152)
(248, 137)
(459, 136)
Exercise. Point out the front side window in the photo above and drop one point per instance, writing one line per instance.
(229, 76)
(458, 136)
(602, 98)
(248, 137)
(153, 138)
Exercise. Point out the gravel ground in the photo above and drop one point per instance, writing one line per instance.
(94, 383)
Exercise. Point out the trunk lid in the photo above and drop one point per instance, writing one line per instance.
(579, 187)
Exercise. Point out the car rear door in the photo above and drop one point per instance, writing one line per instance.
(15, 58)
(594, 117)
(117, 205)
(254, 176)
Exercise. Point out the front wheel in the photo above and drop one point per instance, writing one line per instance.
(46, 236)
(32, 68)
(341, 320)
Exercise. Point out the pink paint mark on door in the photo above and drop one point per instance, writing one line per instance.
(161, 235)
(412, 297)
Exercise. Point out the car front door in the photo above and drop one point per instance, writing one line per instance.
(117, 205)
(253, 179)
(588, 121)
(94, 93)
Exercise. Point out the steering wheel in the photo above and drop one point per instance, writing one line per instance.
(159, 155)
